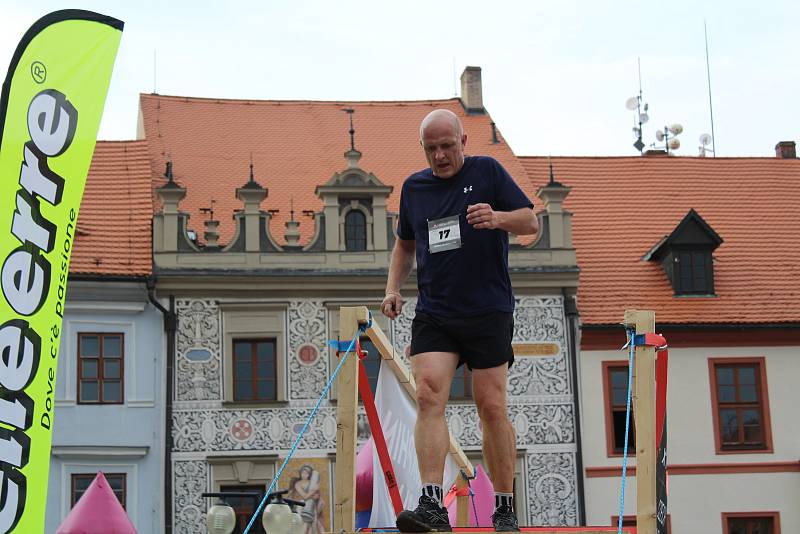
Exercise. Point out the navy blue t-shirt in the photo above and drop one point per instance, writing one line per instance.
(472, 279)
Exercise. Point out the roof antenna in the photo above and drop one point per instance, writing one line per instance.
(155, 87)
(350, 112)
(455, 85)
(710, 107)
(636, 103)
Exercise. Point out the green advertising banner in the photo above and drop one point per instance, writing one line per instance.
(50, 111)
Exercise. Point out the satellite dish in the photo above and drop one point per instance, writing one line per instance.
(674, 144)
(659, 135)
(675, 129)
(643, 117)
(705, 139)
(632, 103)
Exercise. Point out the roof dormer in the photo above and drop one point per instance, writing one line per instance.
(686, 256)
(355, 217)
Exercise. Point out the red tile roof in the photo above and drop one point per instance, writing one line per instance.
(114, 222)
(295, 146)
(623, 206)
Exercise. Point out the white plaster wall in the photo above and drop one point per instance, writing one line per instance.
(105, 429)
(696, 502)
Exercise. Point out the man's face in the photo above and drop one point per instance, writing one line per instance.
(443, 148)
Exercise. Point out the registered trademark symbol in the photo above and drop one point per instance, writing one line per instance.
(39, 72)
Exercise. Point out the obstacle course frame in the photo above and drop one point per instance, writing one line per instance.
(352, 317)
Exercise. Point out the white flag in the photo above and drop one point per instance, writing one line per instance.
(398, 414)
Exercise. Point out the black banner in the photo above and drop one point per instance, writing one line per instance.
(661, 482)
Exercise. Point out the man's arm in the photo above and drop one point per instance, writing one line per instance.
(399, 268)
(519, 222)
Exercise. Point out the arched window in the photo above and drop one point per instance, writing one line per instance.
(355, 231)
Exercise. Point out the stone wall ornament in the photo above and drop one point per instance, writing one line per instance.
(552, 489)
(307, 326)
(189, 480)
(198, 328)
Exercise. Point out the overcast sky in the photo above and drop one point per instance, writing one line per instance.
(556, 73)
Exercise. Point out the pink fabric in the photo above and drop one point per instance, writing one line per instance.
(364, 476)
(483, 498)
(97, 512)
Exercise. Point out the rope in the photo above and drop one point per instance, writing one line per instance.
(632, 345)
(272, 484)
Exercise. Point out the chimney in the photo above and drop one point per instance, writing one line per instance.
(471, 90)
(785, 150)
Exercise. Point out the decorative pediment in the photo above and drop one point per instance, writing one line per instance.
(353, 179)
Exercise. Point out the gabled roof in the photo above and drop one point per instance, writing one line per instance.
(295, 146)
(692, 229)
(115, 218)
(623, 206)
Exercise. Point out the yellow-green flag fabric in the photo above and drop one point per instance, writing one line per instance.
(50, 110)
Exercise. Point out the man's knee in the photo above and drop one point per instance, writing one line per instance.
(429, 397)
(492, 412)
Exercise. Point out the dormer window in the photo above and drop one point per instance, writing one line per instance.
(685, 256)
(695, 274)
(355, 231)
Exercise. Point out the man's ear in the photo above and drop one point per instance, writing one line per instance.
(464, 140)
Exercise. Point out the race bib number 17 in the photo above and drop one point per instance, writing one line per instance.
(444, 234)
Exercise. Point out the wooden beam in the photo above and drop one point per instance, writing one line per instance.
(406, 379)
(344, 507)
(644, 367)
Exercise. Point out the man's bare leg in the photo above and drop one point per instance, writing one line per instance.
(499, 439)
(433, 374)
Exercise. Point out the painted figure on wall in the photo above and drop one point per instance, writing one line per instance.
(306, 486)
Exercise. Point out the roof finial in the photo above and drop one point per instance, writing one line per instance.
(350, 112)
(291, 208)
(209, 210)
(252, 178)
(168, 170)
(552, 178)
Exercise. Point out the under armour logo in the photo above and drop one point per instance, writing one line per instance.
(467, 189)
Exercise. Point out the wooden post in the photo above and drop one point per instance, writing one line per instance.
(344, 508)
(462, 503)
(644, 369)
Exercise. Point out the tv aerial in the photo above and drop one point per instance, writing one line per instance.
(705, 140)
(636, 103)
(669, 136)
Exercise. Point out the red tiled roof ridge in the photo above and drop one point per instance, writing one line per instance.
(113, 229)
(622, 206)
(661, 159)
(278, 102)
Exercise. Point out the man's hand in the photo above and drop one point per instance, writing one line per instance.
(392, 304)
(483, 216)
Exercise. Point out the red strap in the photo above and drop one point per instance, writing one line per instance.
(377, 434)
(661, 391)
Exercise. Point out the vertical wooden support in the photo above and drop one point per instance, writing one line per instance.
(344, 508)
(462, 503)
(644, 369)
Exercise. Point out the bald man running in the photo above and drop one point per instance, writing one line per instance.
(454, 218)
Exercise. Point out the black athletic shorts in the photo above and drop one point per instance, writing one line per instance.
(482, 342)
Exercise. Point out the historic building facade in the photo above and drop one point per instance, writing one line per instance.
(262, 286)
